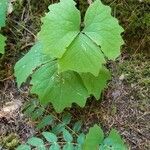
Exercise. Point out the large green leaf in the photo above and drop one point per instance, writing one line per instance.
(95, 85)
(33, 59)
(3, 11)
(60, 26)
(77, 71)
(103, 29)
(80, 51)
(93, 138)
(82, 56)
(113, 141)
(59, 89)
(2, 44)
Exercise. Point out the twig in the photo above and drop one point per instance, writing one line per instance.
(65, 125)
(10, 77)
(24, 28)
(26, 45)
(62, 122)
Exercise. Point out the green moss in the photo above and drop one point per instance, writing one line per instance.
(10, 141)
(113, 109)
(135, 18)
(137, 69)
(137, 74)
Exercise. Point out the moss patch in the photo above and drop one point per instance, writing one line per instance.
(137, 74)
(10, 141)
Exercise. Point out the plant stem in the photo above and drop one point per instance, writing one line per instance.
(89, 2)
(61, 122)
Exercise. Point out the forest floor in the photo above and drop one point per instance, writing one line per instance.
(125, 104)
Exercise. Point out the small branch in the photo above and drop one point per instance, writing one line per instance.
(10, 77)
(89, 2)
(24, 28)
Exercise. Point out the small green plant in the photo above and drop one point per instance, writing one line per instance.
(66, 140)
(63, 132)
(3, 10)
(67, 62)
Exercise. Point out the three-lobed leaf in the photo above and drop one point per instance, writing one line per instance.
(66, 64)
(78, 49)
